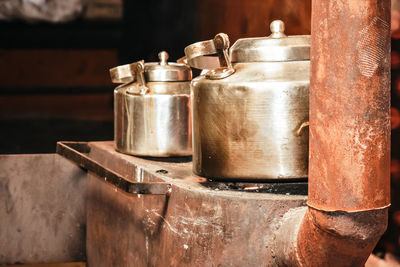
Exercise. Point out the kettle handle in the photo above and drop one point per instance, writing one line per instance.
(129, 73)
(198, 56)
(122, 74)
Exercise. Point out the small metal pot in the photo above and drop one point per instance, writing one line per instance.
(250, 115)
(152, 108)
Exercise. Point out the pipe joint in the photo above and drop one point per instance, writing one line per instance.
(310, 237)
(362, 226)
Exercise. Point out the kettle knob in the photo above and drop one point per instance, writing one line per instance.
(163, 57)
(277, 29)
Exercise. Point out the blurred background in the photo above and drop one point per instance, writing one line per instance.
(55, 56)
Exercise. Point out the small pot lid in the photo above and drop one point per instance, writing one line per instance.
(276, 47)
(162, 71)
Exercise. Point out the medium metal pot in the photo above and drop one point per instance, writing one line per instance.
(250, 115)
(152, 108)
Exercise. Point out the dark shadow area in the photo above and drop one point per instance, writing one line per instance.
(169, 159)
(155, 25)
(40, 135)
(288, 188)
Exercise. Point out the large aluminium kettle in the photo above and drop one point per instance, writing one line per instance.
(152, 108)
(250, 113)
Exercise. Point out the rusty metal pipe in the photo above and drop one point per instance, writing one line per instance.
(349, 164)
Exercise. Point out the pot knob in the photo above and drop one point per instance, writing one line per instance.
(163, 57)
(277, 28)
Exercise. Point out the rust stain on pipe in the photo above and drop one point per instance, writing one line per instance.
(350, 105)
(349, 166)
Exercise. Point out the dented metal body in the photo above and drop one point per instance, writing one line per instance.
(152, 108)
(156, 124)
(246, 128)
(249, 115)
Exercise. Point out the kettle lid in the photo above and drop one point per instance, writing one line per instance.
(165, 71)
(276, 47)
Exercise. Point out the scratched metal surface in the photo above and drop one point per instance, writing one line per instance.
(42, 209)
(196, 225)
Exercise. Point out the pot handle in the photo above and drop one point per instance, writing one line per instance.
(78, 153)
(198, 56)
(129, 73)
